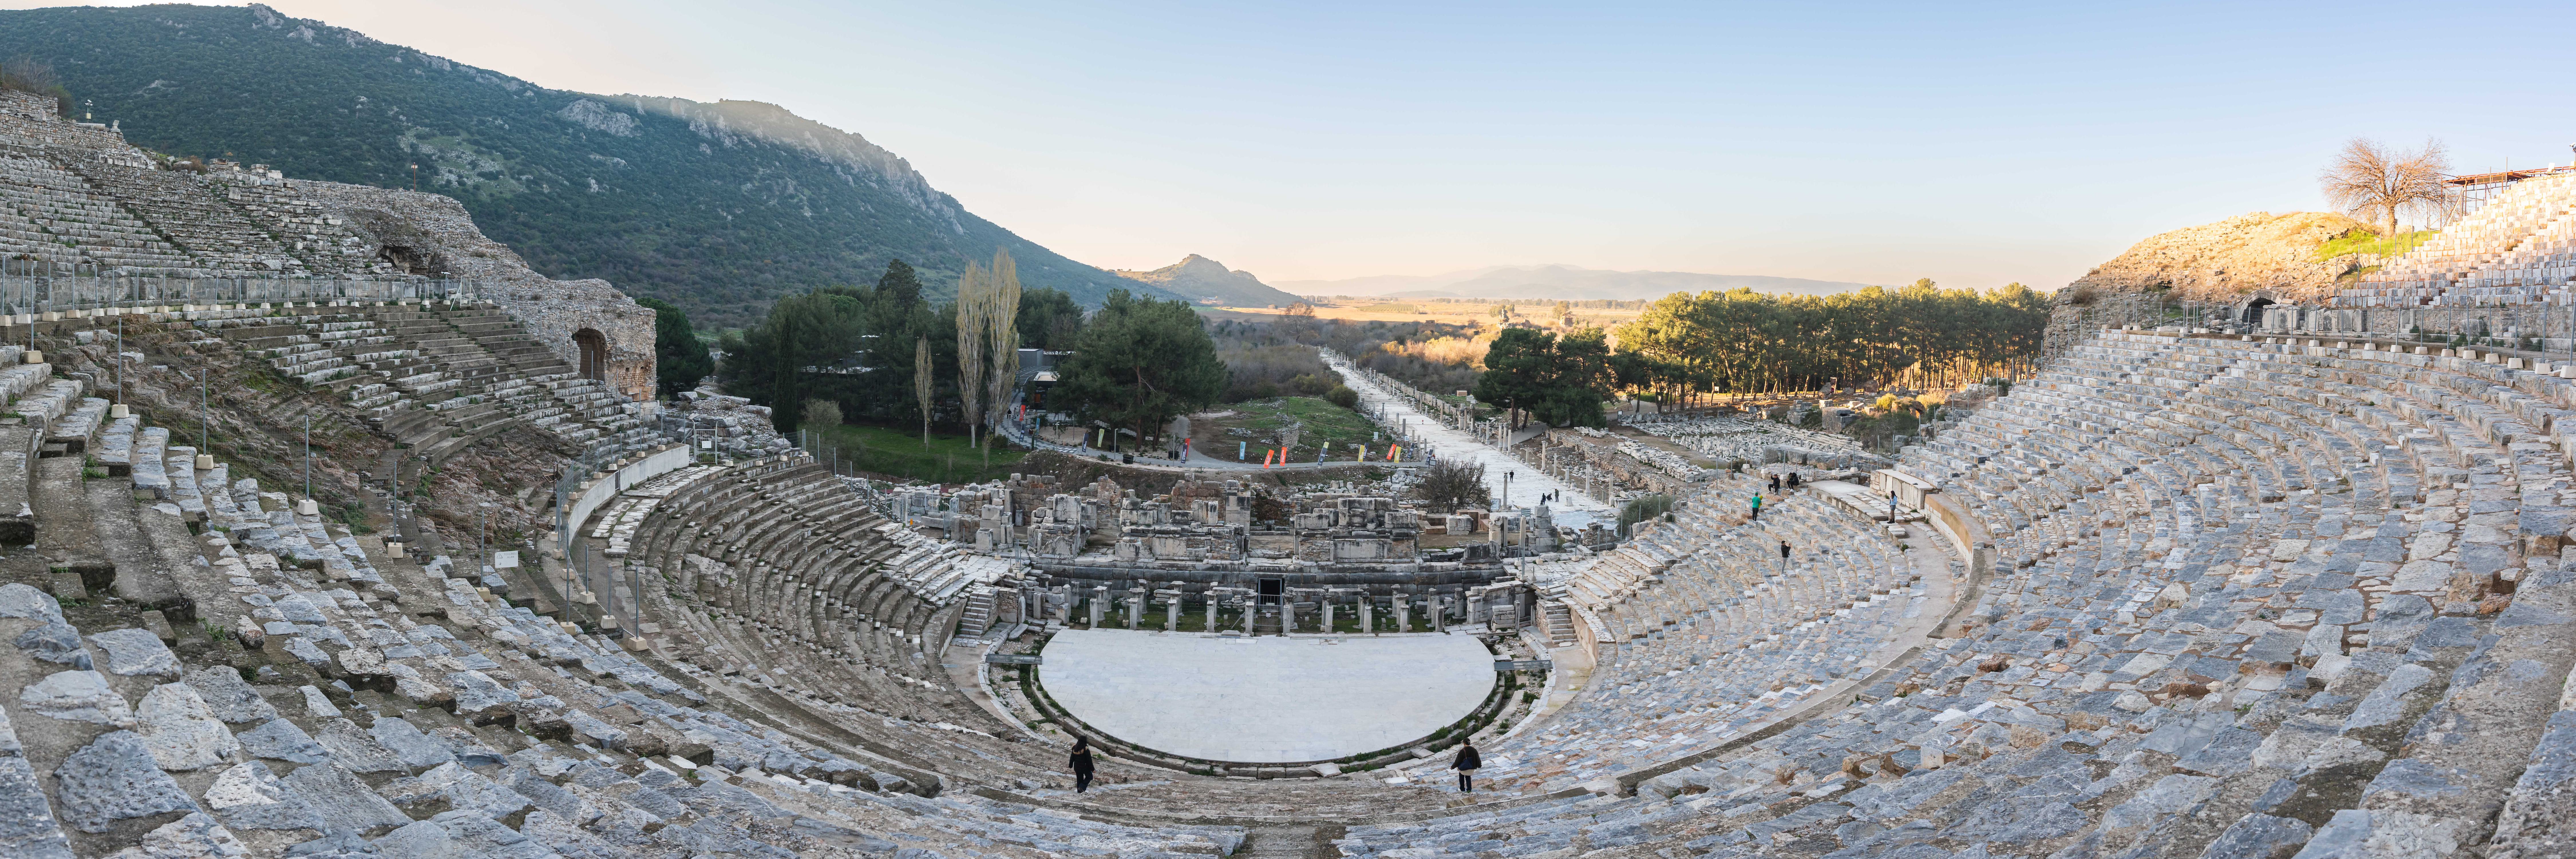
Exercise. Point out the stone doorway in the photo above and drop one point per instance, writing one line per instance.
(594, 353)
(2253, 314)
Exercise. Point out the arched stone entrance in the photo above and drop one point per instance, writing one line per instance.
(594, 353)
(2252, 314)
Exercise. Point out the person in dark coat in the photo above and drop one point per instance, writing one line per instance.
(1081, 765)
(1466, 765)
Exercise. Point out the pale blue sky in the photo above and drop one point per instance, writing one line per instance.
(1323, 140)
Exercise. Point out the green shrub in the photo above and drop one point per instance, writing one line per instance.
(1343, 396)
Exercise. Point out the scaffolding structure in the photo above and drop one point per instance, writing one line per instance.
(2474, 189)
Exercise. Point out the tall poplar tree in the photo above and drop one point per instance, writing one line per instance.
(1001, 321)
(973, 308)
(922, 382)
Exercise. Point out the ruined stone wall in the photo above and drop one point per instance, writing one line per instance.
(1602, 454)
(424, 234)
(432, 235)
(558, 311)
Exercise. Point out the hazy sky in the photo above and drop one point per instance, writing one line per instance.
(1878, 144)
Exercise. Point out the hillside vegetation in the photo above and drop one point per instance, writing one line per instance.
(2224, 260)
(717, 208)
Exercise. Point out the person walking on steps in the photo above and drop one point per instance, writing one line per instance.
(1784, 557)
(1757, 506)
(1466, 765)
(1081, 765)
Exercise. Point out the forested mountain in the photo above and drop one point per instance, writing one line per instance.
(717, 208)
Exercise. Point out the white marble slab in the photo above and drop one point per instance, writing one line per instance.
(1268, 699)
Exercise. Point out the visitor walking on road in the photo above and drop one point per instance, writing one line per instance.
(1466, 765)
(1081, 765)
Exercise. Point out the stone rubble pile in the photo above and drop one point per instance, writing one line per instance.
(735, 425)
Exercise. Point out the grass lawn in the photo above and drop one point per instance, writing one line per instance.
(1259, 422)
(897, 453)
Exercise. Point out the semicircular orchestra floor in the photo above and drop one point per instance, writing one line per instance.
(1269, 699)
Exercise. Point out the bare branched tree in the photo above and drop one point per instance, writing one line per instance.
(1451, 484)
(2373, 183)
(30, 75)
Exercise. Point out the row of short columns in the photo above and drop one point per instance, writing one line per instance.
(1318, 607)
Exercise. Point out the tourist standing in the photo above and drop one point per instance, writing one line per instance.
(1466, 765)
(1081, 765)
(1757, 506)
(1784, 557)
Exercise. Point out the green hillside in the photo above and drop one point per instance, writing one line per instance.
(717, 208)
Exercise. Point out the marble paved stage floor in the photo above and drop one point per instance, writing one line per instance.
(1267, 699)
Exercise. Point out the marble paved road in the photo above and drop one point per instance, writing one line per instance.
(1572, 508)
(1270, 699)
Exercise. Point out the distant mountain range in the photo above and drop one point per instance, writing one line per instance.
(1207, 280)
(1559, 282)
(719, 208)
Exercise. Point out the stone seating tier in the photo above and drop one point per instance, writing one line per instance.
(436, 379)
(2238, 599)
(2517, 248)
(415, 716)
(2244, 599)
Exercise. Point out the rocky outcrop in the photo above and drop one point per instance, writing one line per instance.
(1207, 280)
(2225, 260)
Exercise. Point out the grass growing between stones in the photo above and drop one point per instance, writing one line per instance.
(1256, 424)
(896, 453)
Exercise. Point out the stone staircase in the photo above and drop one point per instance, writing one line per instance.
(978, 616)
